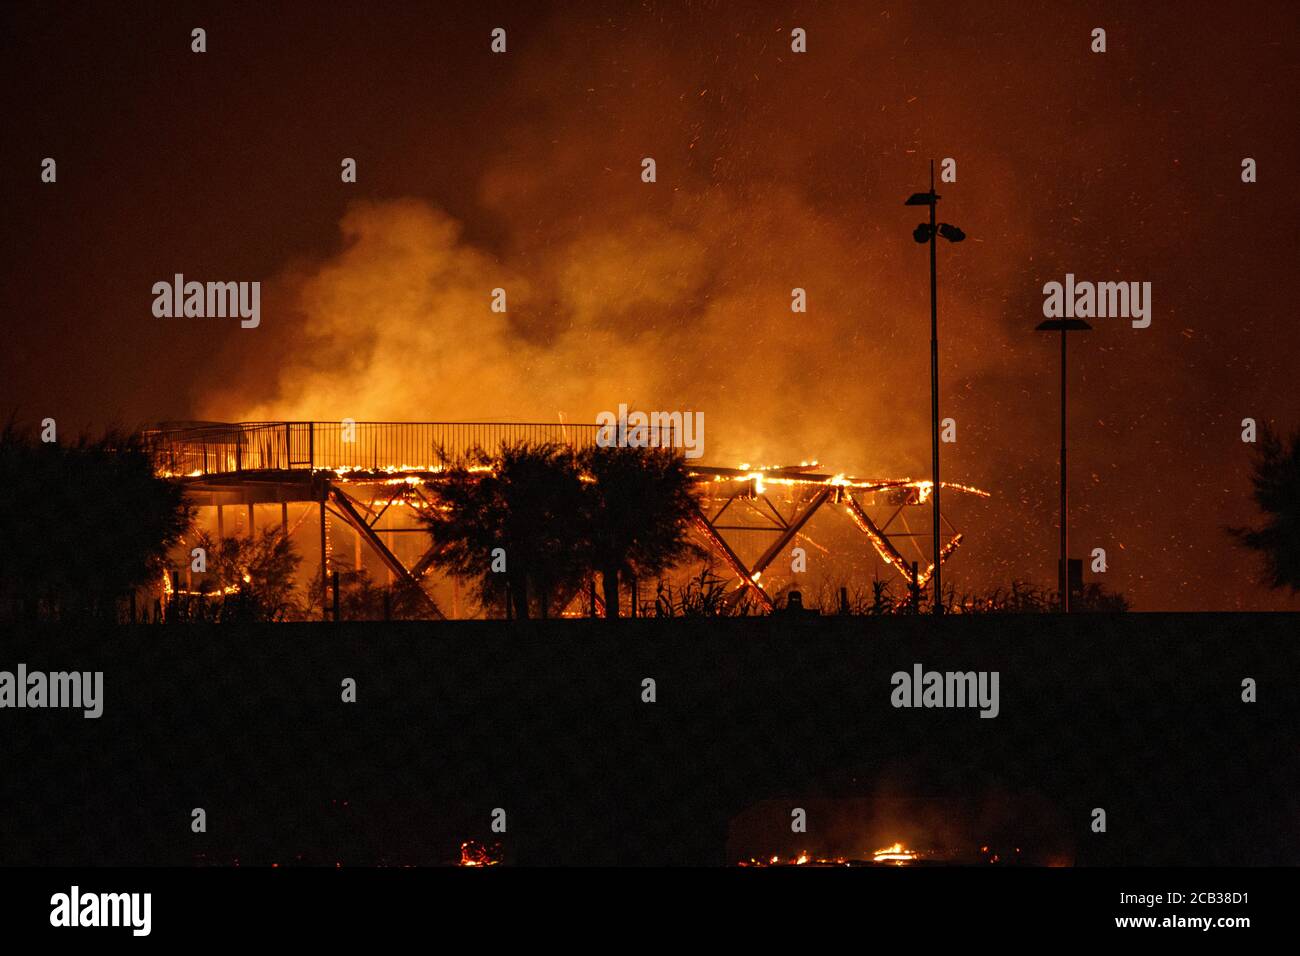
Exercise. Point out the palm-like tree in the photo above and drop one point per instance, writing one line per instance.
(512, 524)
(639, 506)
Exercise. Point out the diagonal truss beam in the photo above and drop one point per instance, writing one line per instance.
(885, 548)
(716, 542)
(792, 528)
(421, 567)
(844, 496)
(347, 510)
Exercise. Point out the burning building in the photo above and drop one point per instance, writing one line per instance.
(351, 492)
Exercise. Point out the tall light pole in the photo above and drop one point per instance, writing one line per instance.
(1063, 572)
(929, 232)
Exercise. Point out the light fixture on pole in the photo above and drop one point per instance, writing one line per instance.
(930, 232)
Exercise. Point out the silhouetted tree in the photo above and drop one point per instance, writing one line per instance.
(527, 501)
(1275, 475)
(254, 576)
(82, 524)
(361, 599)
(639, 505)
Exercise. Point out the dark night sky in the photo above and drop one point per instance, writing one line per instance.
(775, 170)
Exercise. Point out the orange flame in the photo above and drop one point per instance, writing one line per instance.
(896, 854)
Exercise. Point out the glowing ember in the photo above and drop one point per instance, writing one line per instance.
(473, 853)
(803, 859)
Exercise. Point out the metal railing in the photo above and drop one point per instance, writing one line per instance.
(207, 449)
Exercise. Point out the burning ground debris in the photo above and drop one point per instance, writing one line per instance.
(896, 854)
(473, 853)
(997, 827)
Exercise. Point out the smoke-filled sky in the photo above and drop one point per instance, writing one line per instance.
(775, 170)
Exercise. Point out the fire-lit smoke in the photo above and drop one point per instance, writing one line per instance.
(687, 309)
(668, 295)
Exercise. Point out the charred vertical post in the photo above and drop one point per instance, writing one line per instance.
(324, 570)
